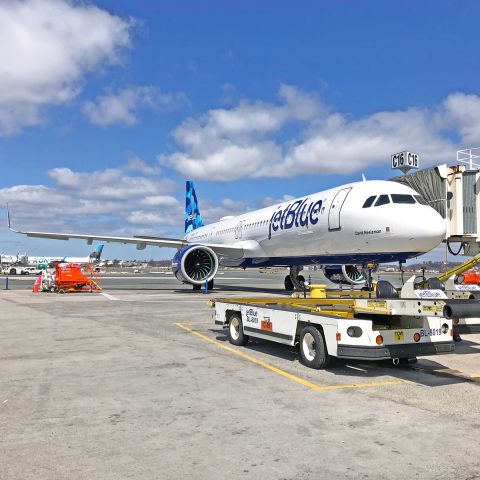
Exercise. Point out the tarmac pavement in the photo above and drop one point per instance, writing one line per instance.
(139, 383)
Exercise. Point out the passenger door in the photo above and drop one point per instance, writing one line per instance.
(238, 230)
(336, 208)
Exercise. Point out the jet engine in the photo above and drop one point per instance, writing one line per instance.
(195, 264)
(344, 274)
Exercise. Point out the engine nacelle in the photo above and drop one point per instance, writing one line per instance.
(195, 264)
(344, 274)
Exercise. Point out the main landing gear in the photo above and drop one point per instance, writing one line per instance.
(294, 281)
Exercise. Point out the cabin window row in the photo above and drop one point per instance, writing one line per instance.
(244, 226)
(402, 198)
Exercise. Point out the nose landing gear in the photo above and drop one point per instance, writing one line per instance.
(369, 268)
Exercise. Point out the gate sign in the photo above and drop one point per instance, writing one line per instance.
(405, 161)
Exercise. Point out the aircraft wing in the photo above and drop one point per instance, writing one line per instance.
(231, 251)
(139, 241)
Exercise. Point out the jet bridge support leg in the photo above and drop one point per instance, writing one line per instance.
(294, 281)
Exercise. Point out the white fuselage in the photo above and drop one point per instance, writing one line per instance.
(46, 260)
(331, 227)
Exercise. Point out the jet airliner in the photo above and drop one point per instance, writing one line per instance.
(338, 229)
(94, 257)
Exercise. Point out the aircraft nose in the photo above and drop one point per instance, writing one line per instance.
(430, 229)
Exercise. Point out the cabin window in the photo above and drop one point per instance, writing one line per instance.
(401, 198)
(382, 200)
(369, 201)
(421, 200)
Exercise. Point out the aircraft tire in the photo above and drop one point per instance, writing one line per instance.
(313, 350)
(197, 287)
(301, 280)
(235, 331)
(288, 283)
(210, 285)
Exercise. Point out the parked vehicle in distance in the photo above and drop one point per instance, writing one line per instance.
(31, 271)
(20, 270)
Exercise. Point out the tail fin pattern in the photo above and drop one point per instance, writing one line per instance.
(96, 254)
(193, 219)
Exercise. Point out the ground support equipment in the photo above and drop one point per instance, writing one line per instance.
(76, 277)
(464, 324)
(348, 328)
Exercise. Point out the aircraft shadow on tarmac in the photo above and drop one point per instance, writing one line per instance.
(217, 291)
(187, 290)
(243, 288)
(427, 373)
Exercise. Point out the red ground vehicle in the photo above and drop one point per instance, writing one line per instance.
(76, 277)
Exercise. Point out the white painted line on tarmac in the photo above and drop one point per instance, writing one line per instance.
(110, 297)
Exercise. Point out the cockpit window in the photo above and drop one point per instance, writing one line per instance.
(421, 200)
(382, 200)
(402, 198)
(369, 201)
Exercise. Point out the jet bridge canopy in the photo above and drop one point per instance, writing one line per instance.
(454, 192)
(431, 184)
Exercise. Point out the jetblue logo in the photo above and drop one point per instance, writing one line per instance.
(298, 214)
(252, 315)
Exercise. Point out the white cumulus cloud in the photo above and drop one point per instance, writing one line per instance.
(121, 107)
(46, 48)
(105, 201)
(250, 140)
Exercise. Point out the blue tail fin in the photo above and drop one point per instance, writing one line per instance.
(193, 219)
(96, 254)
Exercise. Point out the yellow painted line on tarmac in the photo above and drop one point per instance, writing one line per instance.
(283, 373)
(195, 323)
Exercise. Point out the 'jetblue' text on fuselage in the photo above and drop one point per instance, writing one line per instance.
(298, 214)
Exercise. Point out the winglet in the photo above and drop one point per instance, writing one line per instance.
(363, 178)
(8, 218)
(10, 222)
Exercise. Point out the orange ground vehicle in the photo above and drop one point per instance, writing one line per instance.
(470, 277)
(76, 277)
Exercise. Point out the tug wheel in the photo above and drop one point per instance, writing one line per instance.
(235, 331)
(313, 350)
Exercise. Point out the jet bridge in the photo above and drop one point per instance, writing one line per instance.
(454, 192)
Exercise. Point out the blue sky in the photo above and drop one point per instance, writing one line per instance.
(108, 107)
